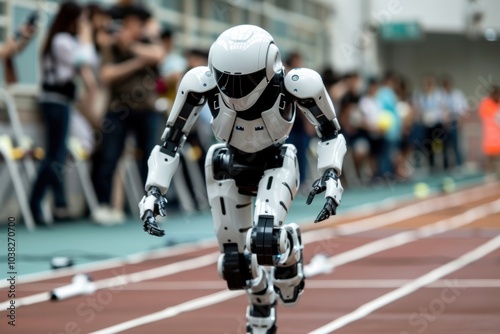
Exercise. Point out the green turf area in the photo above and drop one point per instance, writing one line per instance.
(84, 241)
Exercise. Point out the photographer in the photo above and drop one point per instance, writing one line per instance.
(15, 45)
(129, 70)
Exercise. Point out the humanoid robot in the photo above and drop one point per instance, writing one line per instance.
(253, 103)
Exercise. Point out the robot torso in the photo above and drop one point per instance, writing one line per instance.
(268, 122)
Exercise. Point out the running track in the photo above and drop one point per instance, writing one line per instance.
(429, 266)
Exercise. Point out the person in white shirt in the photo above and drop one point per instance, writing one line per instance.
(172, 67)
(455, 105)
(429, 106)
(370, 108)
(62, 59)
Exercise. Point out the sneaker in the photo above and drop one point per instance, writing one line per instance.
(107, 216)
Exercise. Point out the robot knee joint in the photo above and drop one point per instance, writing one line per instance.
(276, 246)
(237, 269)
(268, 242)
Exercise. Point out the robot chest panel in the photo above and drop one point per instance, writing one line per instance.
(252, 135)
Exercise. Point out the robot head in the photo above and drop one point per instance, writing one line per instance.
(243, 59)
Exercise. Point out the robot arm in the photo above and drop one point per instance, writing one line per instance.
(193, 90)
(312, 99)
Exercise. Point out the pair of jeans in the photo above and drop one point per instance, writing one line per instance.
(454, 143)
(52, 168)
(116, 126)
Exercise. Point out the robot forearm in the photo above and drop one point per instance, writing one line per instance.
(313, 100)
(331, 154)
(162, 167)
(330, 157)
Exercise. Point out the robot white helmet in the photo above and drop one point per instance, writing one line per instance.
(243, 60)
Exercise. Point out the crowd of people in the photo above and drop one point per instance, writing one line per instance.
(107, 73)
(119, 69)
(391, 130)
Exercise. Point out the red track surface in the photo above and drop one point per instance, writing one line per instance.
(454, 305)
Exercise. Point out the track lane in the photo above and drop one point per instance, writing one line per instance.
(142, 320)
(352, 227)
(337, 245)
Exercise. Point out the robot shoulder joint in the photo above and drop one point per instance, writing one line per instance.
(304, 83)
(198, 80)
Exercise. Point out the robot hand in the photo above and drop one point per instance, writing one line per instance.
(151, 206)
(331, 183)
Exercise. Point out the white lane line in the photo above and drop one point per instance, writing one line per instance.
(115, 262)
(352, 255)
(311, 284)
(123, 279)
(456, 198)
(401, 214)
(402, 238)
(308, 237)
(411, 287)
(173, 311)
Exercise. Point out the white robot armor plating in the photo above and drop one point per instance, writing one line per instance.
(253, 103)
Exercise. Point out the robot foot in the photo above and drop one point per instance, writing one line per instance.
(261, 319)
(289, 282)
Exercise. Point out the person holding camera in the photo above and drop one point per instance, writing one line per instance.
(129, 70)
(16, 44)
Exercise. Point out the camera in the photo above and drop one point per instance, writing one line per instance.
(30, 22)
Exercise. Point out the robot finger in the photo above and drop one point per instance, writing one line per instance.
(317, 189)
(328, 210)
(150, 225)
(162, 206)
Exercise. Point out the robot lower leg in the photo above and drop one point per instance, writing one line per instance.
(280, 247)
(241, 271)
(261, 313)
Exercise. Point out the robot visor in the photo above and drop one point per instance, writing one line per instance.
(238, 85)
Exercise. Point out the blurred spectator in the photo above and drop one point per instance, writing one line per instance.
(455, 106)
(429, 106)
(351, 121)
(370, 108)
(129, 69)
(172, 67)
(85, 115)
(489, 111)
(352, 88)
(337, 90)
(62, 58)
(388, 100)
(293, 60)
(409, 132)
(330, 79)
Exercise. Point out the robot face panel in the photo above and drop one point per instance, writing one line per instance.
(236, 86)
(243, 60)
